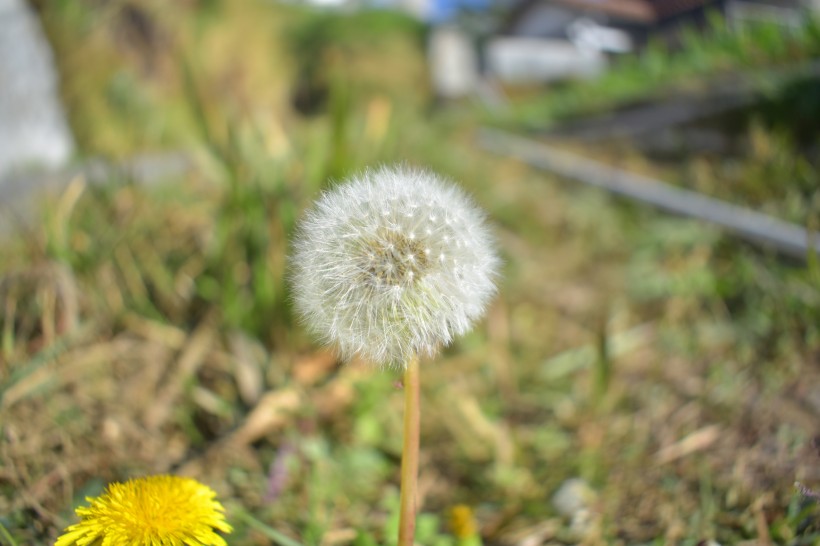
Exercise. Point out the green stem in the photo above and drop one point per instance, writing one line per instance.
(410, 455)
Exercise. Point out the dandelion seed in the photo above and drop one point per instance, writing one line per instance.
(151, 511)
(362, 272)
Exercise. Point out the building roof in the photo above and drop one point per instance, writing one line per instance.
(638, 11)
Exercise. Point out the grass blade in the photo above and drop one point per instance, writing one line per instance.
(268, 531)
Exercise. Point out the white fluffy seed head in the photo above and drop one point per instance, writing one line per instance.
(393, 264)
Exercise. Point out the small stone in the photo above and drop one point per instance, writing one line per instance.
(573, 500)
(574, 496)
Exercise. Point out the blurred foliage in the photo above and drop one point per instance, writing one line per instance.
(147, 329)
(139, 51)
(760, 52)
(773, 173)
(323, 45)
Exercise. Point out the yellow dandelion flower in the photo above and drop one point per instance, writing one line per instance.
(150, 511)
(462, 522)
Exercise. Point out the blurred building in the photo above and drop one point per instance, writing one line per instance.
(640, 20)
(537, 41)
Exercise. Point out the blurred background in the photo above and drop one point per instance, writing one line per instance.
(648, 374)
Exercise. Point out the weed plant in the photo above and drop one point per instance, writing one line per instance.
(147, 330)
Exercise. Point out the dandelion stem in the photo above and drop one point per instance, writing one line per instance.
(410, 454)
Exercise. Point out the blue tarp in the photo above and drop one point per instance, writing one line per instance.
(443, 11)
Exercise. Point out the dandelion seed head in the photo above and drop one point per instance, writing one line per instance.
(392, 264)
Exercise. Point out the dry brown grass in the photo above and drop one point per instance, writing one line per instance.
(612, 354)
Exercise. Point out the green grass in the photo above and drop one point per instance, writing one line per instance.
(148, 330)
